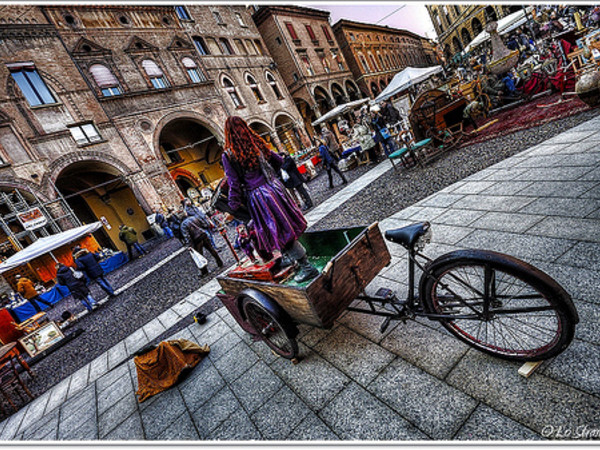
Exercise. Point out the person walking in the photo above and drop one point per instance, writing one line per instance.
(88, 263)
(161, 221)
(129, 236)
(26, 288)
(66, 276)
(250, 166)
(330, 163)
(190, 209)
(195, 236)
(295, 180)
(331, 142)
(174, 223)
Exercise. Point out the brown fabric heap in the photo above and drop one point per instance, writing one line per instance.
(159, 369)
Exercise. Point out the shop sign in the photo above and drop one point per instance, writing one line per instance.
(32, 219)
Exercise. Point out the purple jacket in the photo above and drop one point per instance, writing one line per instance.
(252, 179)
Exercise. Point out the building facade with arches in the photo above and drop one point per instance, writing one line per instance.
(376, 53)
(108, 112)
(308, 57)
(457, 25)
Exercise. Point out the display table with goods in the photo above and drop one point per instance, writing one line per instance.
(24, 309)
(307, 160)
(114, 261)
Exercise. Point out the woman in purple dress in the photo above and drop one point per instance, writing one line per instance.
(250, 167)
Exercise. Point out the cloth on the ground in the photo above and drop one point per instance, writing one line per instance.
(160, 368)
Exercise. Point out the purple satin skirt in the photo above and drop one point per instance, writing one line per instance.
(277, 219)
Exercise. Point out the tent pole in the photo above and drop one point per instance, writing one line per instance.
(53, 257)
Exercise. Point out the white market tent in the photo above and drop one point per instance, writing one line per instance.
(47, 244)
(405, 79)
(505, 25)
(339, 110)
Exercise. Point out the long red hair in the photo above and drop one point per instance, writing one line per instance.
(244, 143)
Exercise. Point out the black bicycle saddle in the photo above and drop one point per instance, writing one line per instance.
(407, 236)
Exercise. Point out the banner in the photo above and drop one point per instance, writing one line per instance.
(32, 219)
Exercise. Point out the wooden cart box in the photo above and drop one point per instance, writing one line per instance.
(355, 255)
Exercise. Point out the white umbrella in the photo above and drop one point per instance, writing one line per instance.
(339, 110)
(405, 79)
(505, 25)
(47, 244)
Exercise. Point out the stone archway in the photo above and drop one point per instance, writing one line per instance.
(323, 100)
(374, 89)
(308, 115)
(476, 26)
(338, 94)
(353, 91)
(466, 36)
(96, 190)
(287, 133)
(382, 84)
(192, 154)
(456, 44)
(264, 131)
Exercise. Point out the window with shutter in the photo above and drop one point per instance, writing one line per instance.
(155, 74)
(326, 33)
(292, 31)
(105, 80)
(310, 32)
(192, 70)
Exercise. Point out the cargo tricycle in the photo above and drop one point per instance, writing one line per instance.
(494, 302)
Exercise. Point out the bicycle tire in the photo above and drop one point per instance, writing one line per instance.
(269, 329)
(540, 312)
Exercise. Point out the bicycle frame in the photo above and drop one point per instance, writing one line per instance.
(410, 307)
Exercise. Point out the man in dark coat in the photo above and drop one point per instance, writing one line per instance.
(390, 114)
(295, 179)
(65, 276)
(330, 163)
(89, 264)
(192, 230)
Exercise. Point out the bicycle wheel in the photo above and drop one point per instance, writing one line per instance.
(500, 305)
(269, 329)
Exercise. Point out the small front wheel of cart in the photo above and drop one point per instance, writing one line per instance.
(269, 329)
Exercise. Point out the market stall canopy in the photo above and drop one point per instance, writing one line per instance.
(47, 244)
(339, 110)
(505, 25)
(405, 79)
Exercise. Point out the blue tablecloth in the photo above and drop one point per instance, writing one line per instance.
(114, 262)
(349, 151)
(26, 310)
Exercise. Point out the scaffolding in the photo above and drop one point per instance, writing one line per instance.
(16, 203)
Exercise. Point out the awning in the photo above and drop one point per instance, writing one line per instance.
(47, 244)
(405, 79)
(505, 25)
(339, 110)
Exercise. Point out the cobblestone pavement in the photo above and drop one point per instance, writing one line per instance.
(413, 382)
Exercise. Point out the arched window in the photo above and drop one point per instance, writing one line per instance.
(230, 88)
(254, 88)
(364, 64)
(157, 78)
(273, 84)
(105, 80)
(192, 70)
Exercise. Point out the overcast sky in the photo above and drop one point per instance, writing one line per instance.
(412, 17)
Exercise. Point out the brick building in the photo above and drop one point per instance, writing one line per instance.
(119, 109)
(376, 53)
(308, 57)
(457, 25)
